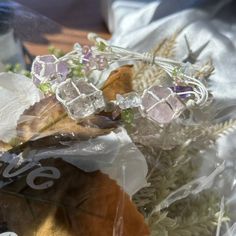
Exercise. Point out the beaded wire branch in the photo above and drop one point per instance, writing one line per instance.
(81, 98)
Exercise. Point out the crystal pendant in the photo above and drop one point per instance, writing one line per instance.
(128, 100)
(161, 104)
(80, 98)
(47, 68)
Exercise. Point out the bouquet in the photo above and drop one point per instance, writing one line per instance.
(108, 141)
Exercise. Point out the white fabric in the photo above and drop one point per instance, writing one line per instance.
(17, 93)
(139, 25)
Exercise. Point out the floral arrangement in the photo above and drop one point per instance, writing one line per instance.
(116, 156)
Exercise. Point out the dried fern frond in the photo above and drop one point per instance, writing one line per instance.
(181, 220)
(195, 215)
(221, 129)
(146, 75)
(171, 168)
(205, 71)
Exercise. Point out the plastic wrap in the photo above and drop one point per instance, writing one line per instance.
(104, 176)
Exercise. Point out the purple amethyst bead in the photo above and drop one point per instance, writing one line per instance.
(86, 50)
(87, 57)
(101, 62)
(180, 89)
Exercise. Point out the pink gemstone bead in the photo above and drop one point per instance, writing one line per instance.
(86, 50)
(102, 63)
(161, 104)
(86, 69)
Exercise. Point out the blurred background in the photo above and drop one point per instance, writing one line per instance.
(61, 23)
(76, 14)
(29, 27)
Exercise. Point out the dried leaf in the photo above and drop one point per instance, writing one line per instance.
(49, 117)
(118, 82)
(78, 203)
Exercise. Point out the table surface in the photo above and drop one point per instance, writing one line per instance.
(75, 19)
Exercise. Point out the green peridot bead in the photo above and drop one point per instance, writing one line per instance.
(45, 87)
(127, 116)
(101, 46)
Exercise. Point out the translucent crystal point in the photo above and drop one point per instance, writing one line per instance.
(128, 100)
(80, 98)
(77, 47)
(188, 69)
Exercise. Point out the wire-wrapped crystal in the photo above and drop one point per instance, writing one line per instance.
(161, 104)
(80, 98)
(48, 68)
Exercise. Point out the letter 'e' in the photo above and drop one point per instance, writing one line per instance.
(40, 172)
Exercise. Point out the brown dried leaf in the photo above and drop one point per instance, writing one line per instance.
(78, 204)
(49, 117)
(118, 82)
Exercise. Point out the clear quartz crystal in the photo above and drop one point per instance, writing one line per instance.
(68, 92)
(81, 99)
(189, 69)
(80, 107)
(128, 100)
(98, 100)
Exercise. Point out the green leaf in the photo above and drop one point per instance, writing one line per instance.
(55, 51)
(17, 68)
